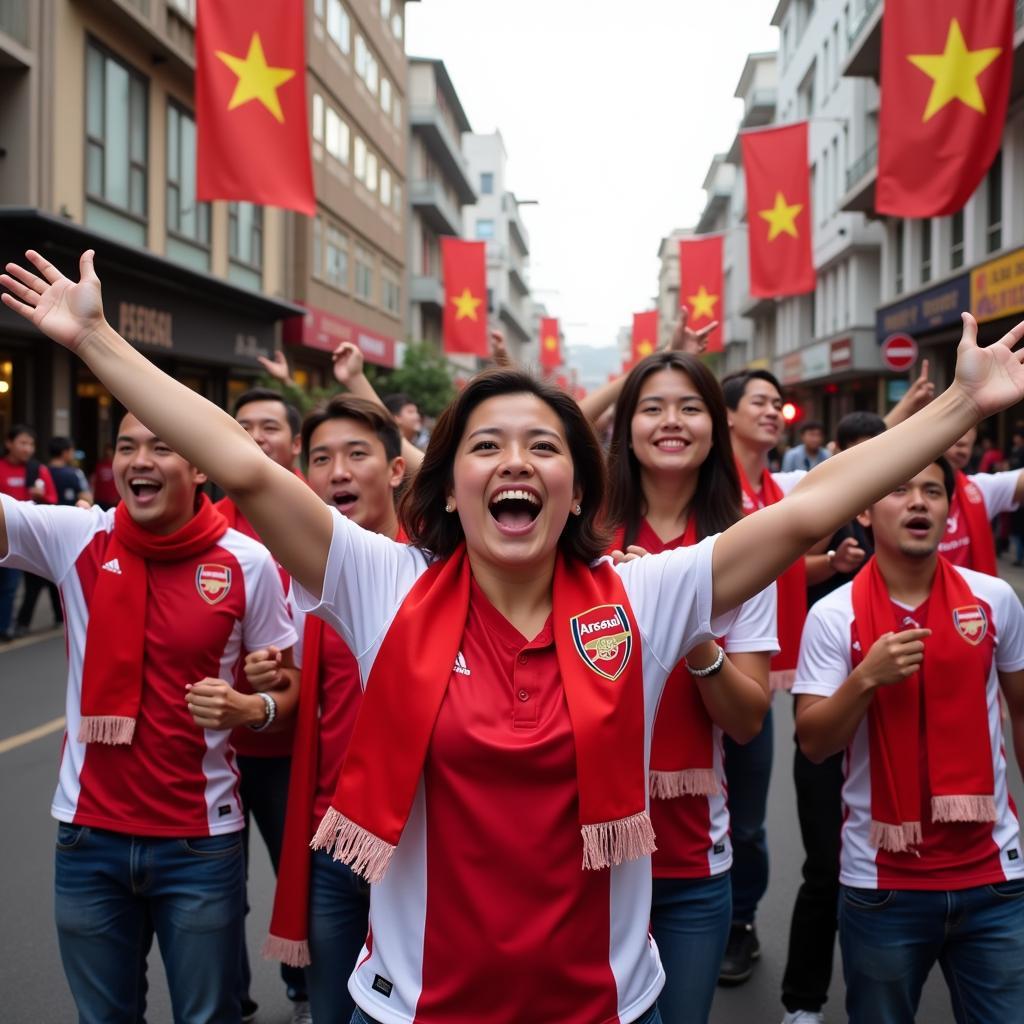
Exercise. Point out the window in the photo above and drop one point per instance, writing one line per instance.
(486, 184)
(396, 112)
(361, 54)
(396, 195)
(337, 136)
(391, 292)
(116, 144)
(359, 159)
(245, 234)
(186, 217)
(372, 73)
(371, 171)
(956, 240)
(926, 251)
(339, 27)
(364, 274)
(485, 229)
(336, 270)
(994, 206)
(385, 186)
(385, 95)
(385, 9)
(898, 254)
(396, 24)
(318, 246)
(318, 117)
(187, 8)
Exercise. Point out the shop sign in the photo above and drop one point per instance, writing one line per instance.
(792, 369)
(896, 389)
(325, 331)
(145, 325)
(997, 288)
(926, 311)
(841, 354)
(816, 361)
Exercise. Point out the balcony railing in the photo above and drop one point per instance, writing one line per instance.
(869, 9)
(857, 170)
(14, 19)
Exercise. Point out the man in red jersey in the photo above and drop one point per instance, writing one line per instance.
(161, 597)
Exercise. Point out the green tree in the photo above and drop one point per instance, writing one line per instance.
(424, 376)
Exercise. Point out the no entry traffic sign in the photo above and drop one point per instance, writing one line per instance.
(899, 352)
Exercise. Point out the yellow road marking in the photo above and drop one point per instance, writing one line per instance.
(31, 735)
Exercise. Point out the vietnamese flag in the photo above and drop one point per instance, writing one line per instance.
(778, 211)
(702, 285)
(645, 335)
(251, 121)
(945, 89)
(550, 343)
(464, 269)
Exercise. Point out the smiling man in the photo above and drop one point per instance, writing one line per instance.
(902, 669)
(161, 600)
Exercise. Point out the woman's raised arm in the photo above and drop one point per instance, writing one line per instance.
(293, 522)
(749, 555)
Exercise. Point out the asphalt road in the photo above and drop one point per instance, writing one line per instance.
(32, 986)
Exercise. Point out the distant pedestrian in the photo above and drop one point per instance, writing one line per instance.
(810, 452)
(103, 485)
(407, 416)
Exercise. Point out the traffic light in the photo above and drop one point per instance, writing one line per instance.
(792, 413)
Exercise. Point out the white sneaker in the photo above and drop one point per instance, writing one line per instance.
(804, 1017)
(301, 1014)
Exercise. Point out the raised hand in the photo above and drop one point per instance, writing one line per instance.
(685, 339)
(991, 377)
(66, 312)
(922, 390)
(277, 367)
(348, 362)
(848, 557)
(499, 350)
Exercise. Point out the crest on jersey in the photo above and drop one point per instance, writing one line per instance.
(213, 582)
(974, 496)
(971, 623)
(603, 639)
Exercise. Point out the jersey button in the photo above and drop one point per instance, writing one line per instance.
(523, 659)
(523, 696)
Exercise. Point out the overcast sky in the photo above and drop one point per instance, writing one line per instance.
(610, 113)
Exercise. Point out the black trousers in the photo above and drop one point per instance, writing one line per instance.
(34, 586)
(812, 929)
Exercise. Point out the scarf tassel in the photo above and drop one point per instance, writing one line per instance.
(366, 854)
(963, 808)
(611, 842)
(895, 838)
(688, 782)
(293, 952)
(116, 730)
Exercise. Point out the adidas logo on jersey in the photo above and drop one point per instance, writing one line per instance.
(460, 665)
(112, 566)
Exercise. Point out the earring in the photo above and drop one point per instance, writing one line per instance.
(578, 510)
(449, 507)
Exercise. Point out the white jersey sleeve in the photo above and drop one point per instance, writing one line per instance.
(47, 539)
(998, 490)
(787, 481)
(267, 622)
(756, 625)
(1007, 613)
(366, 578)
(825, 657)
(670, 594)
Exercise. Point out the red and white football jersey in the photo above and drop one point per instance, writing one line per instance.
(174, 779)
(485, 914)
(996, 491)
(952, 855)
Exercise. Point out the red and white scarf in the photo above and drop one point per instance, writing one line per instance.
(407, 686)
(971, 505)
(792, 588)
(947, 696)
(116, 635)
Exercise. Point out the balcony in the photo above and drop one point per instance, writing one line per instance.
(758, 108)
(14, 20)
(431, 202)
(516, 228)
(517, 277)
(428, 122)
(511, 319)
(718, 197)
(860, 182)
(864, 56)
(425, 290)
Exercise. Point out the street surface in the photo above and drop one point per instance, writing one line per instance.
(32, 986)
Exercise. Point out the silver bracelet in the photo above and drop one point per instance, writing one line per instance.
(713, 669)
(271, 706)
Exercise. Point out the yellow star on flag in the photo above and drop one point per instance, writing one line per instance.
(781, 217)
(645, 348)
(954, 72)
(703, 303)
(256, 79)
(465, 305)
(551, 343)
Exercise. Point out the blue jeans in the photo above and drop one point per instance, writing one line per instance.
(339, 909)
(9, 580)
(114, 892)
(891, 938)
(748, 770)
(690, 920)
(652, 1016)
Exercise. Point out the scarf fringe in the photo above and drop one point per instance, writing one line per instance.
(611, 842)
(116, 730)
(366, 854)
(895, 838)
(688, 782)
(782, 679)
(293, 952)
(963, 808)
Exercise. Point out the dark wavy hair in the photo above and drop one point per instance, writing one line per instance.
(717, 501)
(422, 507)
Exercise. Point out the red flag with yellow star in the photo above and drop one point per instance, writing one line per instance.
(701, 285)
(778, 210)
(945, 89)
(464, 268)
(550, 343)
(645, 335)
(251, 122)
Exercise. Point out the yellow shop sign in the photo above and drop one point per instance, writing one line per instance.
(997, 288)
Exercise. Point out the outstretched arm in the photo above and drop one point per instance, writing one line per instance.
(293, 522)
(753, 552)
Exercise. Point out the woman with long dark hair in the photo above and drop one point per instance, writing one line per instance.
(495, 786)
(673, 482)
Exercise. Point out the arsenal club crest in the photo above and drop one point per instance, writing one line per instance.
(974, 496)
(213, 582)
(603, 639)
(971, 623)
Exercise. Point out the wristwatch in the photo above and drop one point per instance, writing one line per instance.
(832, 560)
(271, 709)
